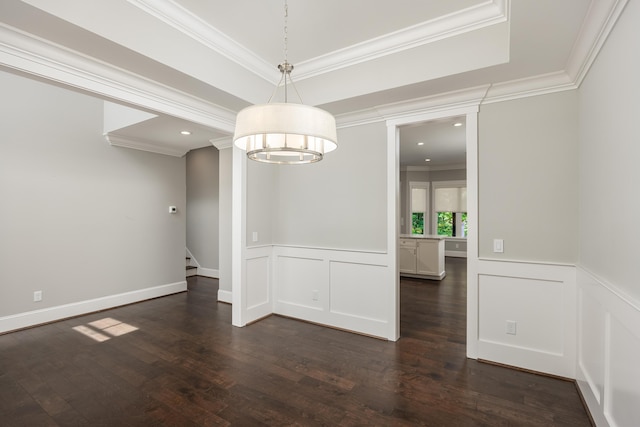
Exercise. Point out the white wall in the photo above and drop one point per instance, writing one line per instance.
(340, 202)
(321, 253)
(528, 178)
(262, 202)
(203, 208)
(608, 284)
(86, 223)
(527, 194)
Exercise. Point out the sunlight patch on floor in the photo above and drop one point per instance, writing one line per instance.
(108, 325)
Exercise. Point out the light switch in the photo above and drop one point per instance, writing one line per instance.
(255, 236)
(498, 245)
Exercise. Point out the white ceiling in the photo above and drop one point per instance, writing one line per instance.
(351, 56)
(439, 141)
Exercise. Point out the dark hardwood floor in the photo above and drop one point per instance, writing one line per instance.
(185, 365)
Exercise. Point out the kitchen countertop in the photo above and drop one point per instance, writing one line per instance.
(426, 236)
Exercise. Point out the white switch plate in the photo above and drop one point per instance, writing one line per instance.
(315, 296)
(37, 296)
(255, 236)
(511, 327)
(498, 245)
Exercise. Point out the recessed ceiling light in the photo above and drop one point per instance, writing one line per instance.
(427, 160)
(420, 143)
(457, 124)
(185, 132)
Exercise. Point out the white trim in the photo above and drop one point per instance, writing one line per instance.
(143, 145)
(410, 111)
(323, 248)
(463, 21)
(225, 296)
(599, 21)
(42, 58)
(604, 309)
(467, 105)
(393, 229)
(208, 272)
(183, 20)
(222, 143)
(332, 271)
(472, 236)
(238, 236)
(529, 86)
(555, 353)
(52, 314)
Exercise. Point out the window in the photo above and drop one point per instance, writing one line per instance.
(419, 194)
(452, 224)
(449, 208)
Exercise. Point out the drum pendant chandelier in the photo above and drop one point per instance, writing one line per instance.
(285, 133)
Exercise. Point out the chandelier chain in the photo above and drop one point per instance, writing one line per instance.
(286, 30)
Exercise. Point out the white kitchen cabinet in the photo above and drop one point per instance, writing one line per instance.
(408, 260)
(422, 257)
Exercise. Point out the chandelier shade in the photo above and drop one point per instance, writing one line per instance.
(285, 133)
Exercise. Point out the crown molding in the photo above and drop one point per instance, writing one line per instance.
(454, 100)
(32, 55)
(181, 19)
(222, 143)
(473, 18)
(460, 22)
(599, 21)
(458, 99)
(143, 145)
(530, 86)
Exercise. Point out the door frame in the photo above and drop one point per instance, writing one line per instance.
(470, 111)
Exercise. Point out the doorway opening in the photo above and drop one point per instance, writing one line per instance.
(438, 152)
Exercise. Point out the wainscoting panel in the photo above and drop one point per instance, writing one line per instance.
(302, 282)
(258, 302)
(539, 301)
(608, 372)
(350, 286)
(343, 289)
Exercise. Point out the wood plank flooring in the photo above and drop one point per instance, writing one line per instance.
(185, 365)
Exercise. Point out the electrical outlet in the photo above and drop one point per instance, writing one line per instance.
(511, 327)
(315, 295)
(37, 296)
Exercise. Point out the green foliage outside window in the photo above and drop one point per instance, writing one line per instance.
(417, 223)
(464, 224)
(445, 224)
(446, 220)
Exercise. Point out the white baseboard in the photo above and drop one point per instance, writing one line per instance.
(208, 272)
(51, 314)
(224, 296)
